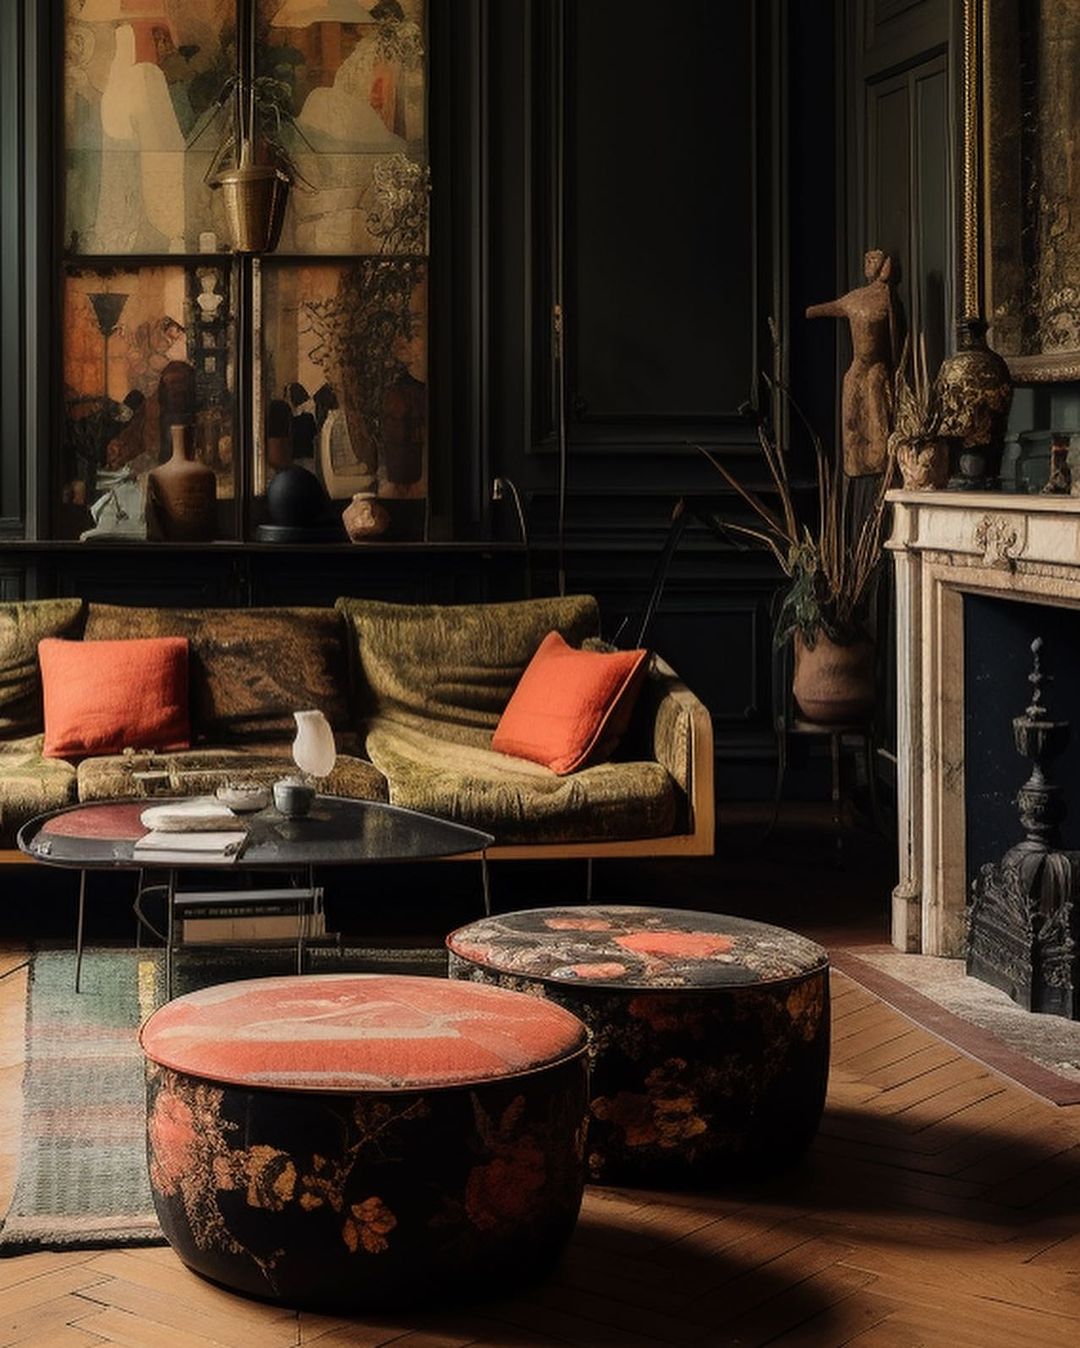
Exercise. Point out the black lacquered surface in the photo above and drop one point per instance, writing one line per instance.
(337, 832)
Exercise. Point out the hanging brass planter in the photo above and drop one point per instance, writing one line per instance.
(255, 197)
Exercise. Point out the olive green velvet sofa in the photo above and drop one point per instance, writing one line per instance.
(413, 694)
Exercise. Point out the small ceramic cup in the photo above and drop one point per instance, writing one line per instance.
(292, 798)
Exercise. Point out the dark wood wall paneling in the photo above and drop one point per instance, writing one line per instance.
(899, 188)
(643, 146)
(900, 180)
(11, 282)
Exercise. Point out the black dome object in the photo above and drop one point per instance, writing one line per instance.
(296, 497)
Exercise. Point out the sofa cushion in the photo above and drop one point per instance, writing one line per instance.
(22, 626)
(518, 801)
(105, 696)
(454, 665)
(201, 771)
(250, 668)
(30, 784)
(570, 707)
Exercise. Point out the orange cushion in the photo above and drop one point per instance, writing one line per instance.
(359, 1032)
(570, 706)
(102, 697)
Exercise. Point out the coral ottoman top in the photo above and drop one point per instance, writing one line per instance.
(348, 1033)
(636, 948)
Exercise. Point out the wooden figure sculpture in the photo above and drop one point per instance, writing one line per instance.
(867, 394)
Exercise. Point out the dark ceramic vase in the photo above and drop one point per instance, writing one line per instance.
(976, 392)
(181, 496)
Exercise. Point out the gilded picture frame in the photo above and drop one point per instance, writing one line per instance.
(1020, 229)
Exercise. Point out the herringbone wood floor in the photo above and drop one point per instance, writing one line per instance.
(939, 1206)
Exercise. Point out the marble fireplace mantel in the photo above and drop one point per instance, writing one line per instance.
(946, 545)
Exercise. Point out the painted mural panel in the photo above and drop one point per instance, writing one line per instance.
(342, 386)
(140, 78)
(350, 79)
(145, 349)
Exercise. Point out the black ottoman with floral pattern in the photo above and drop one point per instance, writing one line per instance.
(710, 1034)
(346, 1140)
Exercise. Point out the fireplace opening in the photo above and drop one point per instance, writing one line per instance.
(997, 661)
(1022, 928)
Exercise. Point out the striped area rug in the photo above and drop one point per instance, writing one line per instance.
(81, 1179)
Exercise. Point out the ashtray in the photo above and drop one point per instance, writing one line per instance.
(243, 798)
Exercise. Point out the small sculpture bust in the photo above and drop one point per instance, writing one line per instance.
(867, 394)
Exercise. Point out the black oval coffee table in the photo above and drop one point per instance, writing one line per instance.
(101, 835)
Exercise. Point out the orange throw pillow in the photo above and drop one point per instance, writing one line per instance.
(570, 706)
(102, 697)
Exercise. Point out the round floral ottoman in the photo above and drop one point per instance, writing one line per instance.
(710, 1034)
(345, 1140)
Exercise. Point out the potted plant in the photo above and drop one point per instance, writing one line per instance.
(252, 164)
(831, 561)
(917, 442)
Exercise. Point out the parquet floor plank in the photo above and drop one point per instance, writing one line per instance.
(113, 1325)
(925, 1058)
(787, 1272)
(863, 1061)
(1064, 1253)
(1018, 1285)
(168, 1312)
(29, 1266)
(850, 1318)
(336, 1332)
(67, 1336)
(955, 1316)
(888, 1032)
(47, 1286)
(926, 1087)
(176, 1280)
(30, 1323)
(813, 1301)
(861, 1022)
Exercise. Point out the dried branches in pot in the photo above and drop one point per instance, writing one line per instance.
(920, 449)
(830, 558)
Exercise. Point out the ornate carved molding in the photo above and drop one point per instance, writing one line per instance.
(998, 538)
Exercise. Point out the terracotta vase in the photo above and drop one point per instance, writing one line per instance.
(364, 517)
(834, 684)
(181, 496)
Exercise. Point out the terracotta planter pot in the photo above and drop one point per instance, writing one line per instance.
(833, 684)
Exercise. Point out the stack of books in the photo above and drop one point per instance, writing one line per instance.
(199, 831)
(244, 915)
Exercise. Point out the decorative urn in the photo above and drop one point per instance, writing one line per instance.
(975, 392)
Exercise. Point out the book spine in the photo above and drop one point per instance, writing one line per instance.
(190, 911)
(288, 926)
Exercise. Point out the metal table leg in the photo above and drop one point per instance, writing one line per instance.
(485, 879)
(170, 923)
(79, 929)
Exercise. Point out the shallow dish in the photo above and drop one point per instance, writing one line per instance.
(244, 799)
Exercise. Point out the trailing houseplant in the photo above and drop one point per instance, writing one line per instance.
(831, 559)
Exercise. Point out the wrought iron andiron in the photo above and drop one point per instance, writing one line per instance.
(1022, 922)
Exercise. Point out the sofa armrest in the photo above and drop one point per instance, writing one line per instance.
(682, 740)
